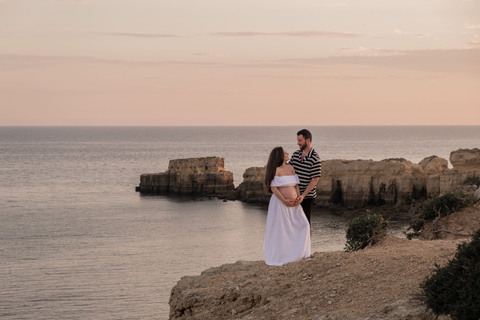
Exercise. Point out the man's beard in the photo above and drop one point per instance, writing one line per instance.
(303, 146)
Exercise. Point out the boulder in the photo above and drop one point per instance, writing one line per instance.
(476, 194)
(253, 188)
(434, 165)
(195, 176)
(466, 168)
(366, 182)
(465, 158)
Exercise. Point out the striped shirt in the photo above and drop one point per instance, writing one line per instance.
(309, 168)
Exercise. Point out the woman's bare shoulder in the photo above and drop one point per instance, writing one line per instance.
(282, 171)
(290, 169)
(278, 171)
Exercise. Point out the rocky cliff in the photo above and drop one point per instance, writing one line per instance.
(351, 183)
(253, 188)
(379, 282)
(194, 176)
(358, 183)
(466, 170)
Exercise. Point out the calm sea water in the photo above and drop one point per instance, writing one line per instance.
(76, 241)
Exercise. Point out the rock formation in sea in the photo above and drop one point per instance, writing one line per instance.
(359, 183)
(195, 176)
(466, 170)
(351, 183)
(253, 189)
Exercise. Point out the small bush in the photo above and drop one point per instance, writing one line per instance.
(441, 207)
(455, 288)
(474, 180)
(365, 230)
(446, 204)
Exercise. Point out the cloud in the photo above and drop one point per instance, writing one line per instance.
(209, 54)
(297, 34)
(422, 35)
(9, 62)
(474, 42)
(334, 76)
(466, 61)
(16, 61)
(301, 34)
(332, 5)
(144, 35)
(368, 51)
(74, 0)
(472, 26)
(418, 35)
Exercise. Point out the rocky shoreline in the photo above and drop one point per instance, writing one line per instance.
(348, 183)
(379, 282)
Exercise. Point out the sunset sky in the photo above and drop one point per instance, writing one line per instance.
(227, 62)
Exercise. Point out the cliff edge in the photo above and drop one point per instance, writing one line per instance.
(391, 182)
(379, 282)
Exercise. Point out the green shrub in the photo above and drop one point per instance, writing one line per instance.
(455, 288)
(365, 230)
(474, 180)
(446, 204)
(441, 207)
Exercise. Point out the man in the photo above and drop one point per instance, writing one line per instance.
(308, 167)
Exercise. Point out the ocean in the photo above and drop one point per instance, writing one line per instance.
(77, 241)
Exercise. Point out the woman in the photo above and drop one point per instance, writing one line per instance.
(287, 236)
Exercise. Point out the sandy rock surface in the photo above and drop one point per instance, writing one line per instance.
(458, 225)
(379, 282)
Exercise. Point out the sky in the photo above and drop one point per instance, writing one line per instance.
(239, 62)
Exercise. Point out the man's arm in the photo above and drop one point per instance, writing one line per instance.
(309, 188)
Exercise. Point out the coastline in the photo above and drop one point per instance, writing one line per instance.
(379, 282)
(393, 182)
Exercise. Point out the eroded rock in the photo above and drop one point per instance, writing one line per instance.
(374, 283)
(253, 188)
(351, 183)
(194, 176)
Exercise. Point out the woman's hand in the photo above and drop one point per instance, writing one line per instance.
(289, 203)
(299, 200)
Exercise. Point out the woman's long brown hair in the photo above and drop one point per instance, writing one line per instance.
(274, 161)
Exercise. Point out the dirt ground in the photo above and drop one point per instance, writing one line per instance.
(459, 225)
(379, 282)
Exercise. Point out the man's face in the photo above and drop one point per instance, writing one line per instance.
(302, 143)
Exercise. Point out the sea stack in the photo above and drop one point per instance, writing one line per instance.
(253, 188)
(194, 176)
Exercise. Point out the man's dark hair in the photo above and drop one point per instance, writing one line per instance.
(305, 133)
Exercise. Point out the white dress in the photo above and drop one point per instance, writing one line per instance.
(287, 235)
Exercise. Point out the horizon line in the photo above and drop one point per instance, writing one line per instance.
(223, 126)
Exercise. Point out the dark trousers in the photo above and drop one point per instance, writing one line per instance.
(307, 205)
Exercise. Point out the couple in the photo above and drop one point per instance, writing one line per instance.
(293, 184)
